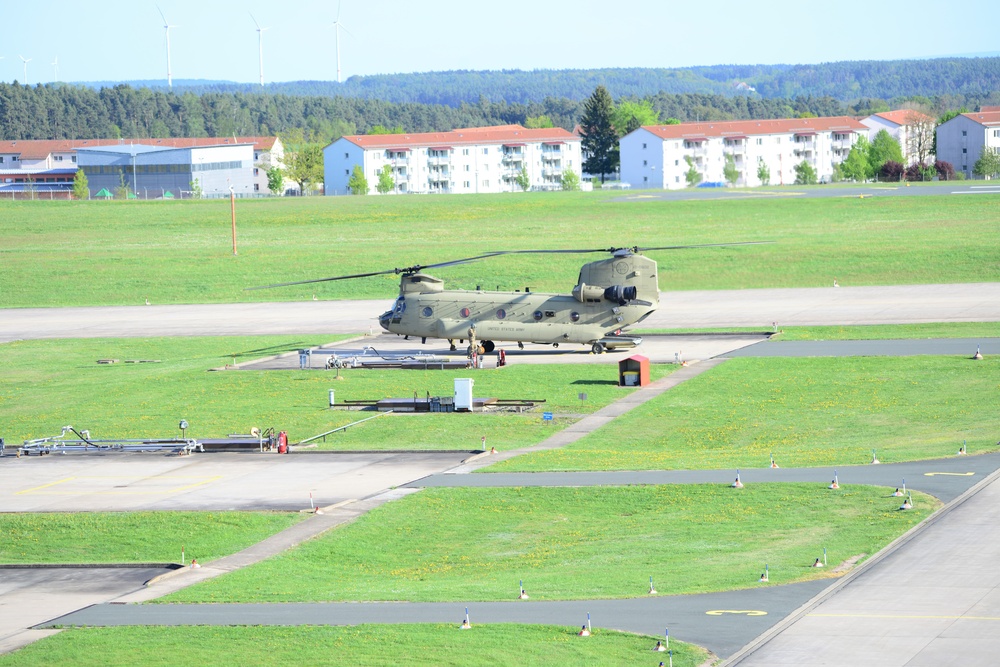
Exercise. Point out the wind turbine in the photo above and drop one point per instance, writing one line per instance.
(25, 61)
(336, 24)
(260, 47)
(55, 65)
(166, 28)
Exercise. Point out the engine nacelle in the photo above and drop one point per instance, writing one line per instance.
(622, 294)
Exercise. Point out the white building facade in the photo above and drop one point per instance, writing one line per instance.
(466, 161)
(912, 129)
(962, 139)
(660, 156)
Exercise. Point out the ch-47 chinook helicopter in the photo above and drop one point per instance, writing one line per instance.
(610, 294)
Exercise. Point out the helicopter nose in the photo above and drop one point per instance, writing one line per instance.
(384, 318)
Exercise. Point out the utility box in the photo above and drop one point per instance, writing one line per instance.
(463, 394)
(634, 371)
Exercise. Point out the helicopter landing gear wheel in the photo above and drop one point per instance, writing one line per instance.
(487, 346)
(597, 348)
(520, 345)
(451, 342)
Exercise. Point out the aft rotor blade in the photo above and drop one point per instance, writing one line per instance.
(699, 245)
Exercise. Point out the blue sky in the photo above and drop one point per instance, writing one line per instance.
(114, 40)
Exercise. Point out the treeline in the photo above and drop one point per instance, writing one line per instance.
(63, 111)
(846, 81)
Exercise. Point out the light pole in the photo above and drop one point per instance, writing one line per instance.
(183, 427)
(232, 207)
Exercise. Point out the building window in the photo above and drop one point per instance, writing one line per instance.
(677, 163)
(347, 156)
(256, 187)
(256, 156)
(964, 151)
(486, 151)
(57, 158)
(347, 172)
(256, 171)
(15, 158)
(677, 179)
(73, 158)
(964, 133)
(645, 163)
(644, 147)
(760, 141)
(466, 185)
(1, 159)
(465, 151)
(486, 184)
(645, 179)
(467, 167)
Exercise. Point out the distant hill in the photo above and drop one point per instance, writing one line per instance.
(845, 81)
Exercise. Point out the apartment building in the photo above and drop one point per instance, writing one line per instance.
(466, 160)
(962, 139)
(912, 129)
(659, 156)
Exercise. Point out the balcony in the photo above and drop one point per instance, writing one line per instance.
(551, 172)
(439, 160)
(550, 156)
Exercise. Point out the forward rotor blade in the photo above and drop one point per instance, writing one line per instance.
(322, 280)
(398, 271)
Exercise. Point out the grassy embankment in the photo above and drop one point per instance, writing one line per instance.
(133, 537)
(47, 384)
(361, 645)
(576, 543)
(806, 411)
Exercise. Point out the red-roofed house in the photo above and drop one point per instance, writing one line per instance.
(468, 160)
(657, 156)
(962, 139)
(913, 130)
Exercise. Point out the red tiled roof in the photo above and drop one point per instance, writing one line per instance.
(984, 118)
(482, 135)
(988, 108)
(33, 149)
(905, 116)
(754, 127)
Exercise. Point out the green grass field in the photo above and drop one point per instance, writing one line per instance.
(806, 411)
(47, 384)
(103, 253)
(575, 543)
(360, 645)
(862, 332)
(133, 537)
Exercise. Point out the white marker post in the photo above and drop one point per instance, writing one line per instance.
(824, 555)
(589, 629)
(312, 505)
(182, 554)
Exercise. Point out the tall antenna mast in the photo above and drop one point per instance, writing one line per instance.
(260, 47)
(166, 28)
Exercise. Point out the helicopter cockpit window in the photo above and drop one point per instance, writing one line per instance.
(537, 315)
(427, 311)
(501, 314)
(400, 307)
(574, 316)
